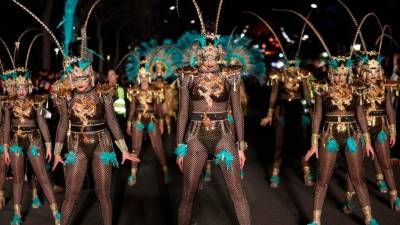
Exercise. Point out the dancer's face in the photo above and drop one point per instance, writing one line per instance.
(372, 75)
(10, 90)
(340, 79)
(144, 83)
(81, 78)
(210, 56)
(22, 91)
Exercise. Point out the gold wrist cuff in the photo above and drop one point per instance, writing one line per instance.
(1, 194)
(392, 129)
(367, 138)
(314, 140)
(270, 112)
(48, 145)
(316, 215)
(242, 146)
(58, 148)
(129, 123)
(367, 212)
(121, 144)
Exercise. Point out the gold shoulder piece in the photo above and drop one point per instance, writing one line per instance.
(39, 99)
(231, 70)
(60, 89)
(131, 92)
(105, 89)
(187, 71)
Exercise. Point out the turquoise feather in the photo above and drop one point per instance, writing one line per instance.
(275, 179)
(382, 137)
(305, 120)
(70, 158)
(351, 145)
(36, 202)
(58, 216)
(373, 222)
(131, 178)
(151, 127)
(34, 151)
(230, 119)
(313, 223)
(181, 150)
(140, 126)
(16, 150)
(108, 158)
(1, 149)
(226, 157)
(332, 145)
(16, 219)
(84, 63)
(68, 23)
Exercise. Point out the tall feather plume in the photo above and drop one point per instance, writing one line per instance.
(360, 26)
(8, 52)
(68, 23)
(30, 48)
(231, 36)
(200, 15)
(302, 33)
(353, 18)
(218, 16)
(390, 37)
(310, 25)
(84, 29)
(17, 43)
(271, 30)
(380, 38)
(42, 24)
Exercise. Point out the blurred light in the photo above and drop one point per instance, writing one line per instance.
(256, 46)
(357, 47)
(241, 35)
(271, 39)
(57, 50)
(193, 21)
(263, 45)
(305, 37)
(280, 55)
(165, 21)
(244, 30)
(108, 57)
(325, 54)
(314, 6)
(247, 26)
(172, 8)
(277, 45)
(284, 34)
(278, 64)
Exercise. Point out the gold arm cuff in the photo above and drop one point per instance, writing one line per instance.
(367, 138)
(317, 215)
(392, 129)
(1, 194)
(121, 144)
(58, 148)
(270, 112)
(48, 145)
(5, 146)
(242, 146)
(367, 212)
(17, 208)
(129, 123)
(314, 140)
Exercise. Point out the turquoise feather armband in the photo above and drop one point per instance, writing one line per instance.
(181, 150)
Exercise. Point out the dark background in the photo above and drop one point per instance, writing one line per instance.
(117, 25)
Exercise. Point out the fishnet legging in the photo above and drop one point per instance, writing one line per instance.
(75, 175)
(38, 165)
(326, 167)
(156, 142)
(193, 165)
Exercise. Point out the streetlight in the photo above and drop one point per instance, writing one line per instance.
(325, 54)
(357, 47)
(314, 6)
(172, 8)
(57, 50)
(193, 21)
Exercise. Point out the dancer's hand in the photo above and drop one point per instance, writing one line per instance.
(242, 159)
(370, 151)
(129, 156)
(6, 157)
(48, 154)
(129, 130)
(266, 121)
(392, 140)
(179, 162)
(57, 159)
(313, 151)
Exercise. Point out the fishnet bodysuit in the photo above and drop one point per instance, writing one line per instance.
(382, 149)
(154, 112)
(27, 141)
(3, 166)
(285, 101)
(201, 141)
(327, 159)
(88, 148)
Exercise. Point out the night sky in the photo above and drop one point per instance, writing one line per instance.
(138, 20)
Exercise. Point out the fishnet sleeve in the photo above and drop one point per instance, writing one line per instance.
(274, 95)
(362, 120)
(111, 119)
(63, 124)
(44, 129)
(389, 108)
(316, 120)
(237, 112)
(184, 102)
(6, 126)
